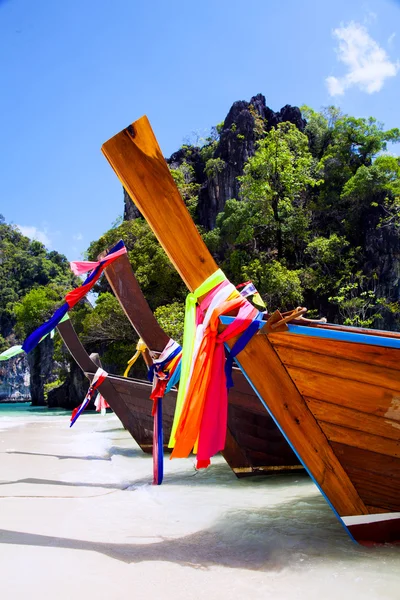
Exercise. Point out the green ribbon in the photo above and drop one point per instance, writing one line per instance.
(189, 336)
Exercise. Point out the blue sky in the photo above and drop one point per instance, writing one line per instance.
(75, 73)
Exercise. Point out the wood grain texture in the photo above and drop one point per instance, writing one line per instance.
(359, 396)
(361, 439)
(380, 376)
(128, 293)
(371, 355)
(154, 192)
(137, 159)
(376, 477)
(355, 419)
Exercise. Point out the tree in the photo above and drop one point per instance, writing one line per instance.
(275, 181)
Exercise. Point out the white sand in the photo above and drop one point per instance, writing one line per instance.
(79, 519)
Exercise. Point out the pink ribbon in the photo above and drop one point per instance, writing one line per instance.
(215, 414)
(78, 267)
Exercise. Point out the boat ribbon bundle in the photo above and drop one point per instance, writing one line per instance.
(164, 370)
(98, 379)
(201, 412)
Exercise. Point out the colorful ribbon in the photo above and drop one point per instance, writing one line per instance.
(140, 349)
(98, 379)
(249, 289)
(202, 420)
(101, 404)
(10, 352)
(15, 350)
(188, 342)
(73, 297)
(78, 267)
(160, 373)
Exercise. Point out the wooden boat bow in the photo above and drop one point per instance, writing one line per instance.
(136, 158)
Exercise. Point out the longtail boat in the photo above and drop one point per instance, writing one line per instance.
(254, 444)
(128, 398)
(334, 393)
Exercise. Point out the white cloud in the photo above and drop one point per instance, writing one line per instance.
(391, 38)
(35, 234)
(77, 237)
(368, 64)
(335, 86)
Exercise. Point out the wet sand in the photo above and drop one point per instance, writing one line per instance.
(79, 518)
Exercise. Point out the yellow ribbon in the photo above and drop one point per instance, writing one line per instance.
(140, 349)
(189, 334)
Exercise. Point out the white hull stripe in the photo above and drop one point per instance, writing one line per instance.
(374, 518)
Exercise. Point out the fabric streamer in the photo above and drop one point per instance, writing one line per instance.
(158, 443)
(140, 349)
(101, 404)
(98, 379)
(202, 419)
(249, 289)
(161, 371)
(74, 297)
(10, 352)
(188, 342)
(15, 350)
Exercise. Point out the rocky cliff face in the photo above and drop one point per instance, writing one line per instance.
(41, 364)
(72, 392)
(243, 125)
(14, 379)
(130, 210)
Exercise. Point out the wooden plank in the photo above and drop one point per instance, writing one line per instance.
(381, 402)
(360, 439)
(366, 459)
(379, 376)
(340, 415)
(150, 185)
(128, 293)
(376, 477)
(372, 355)
(154, 192)
(235, 455)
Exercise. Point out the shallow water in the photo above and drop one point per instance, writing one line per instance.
(78, 510)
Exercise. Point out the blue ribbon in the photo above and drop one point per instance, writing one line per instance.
(175, 377)
(155, 367)
(244, 339)
(32, 340)
(160, 443)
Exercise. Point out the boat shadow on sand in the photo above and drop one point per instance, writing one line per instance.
(266, 540)
(113, 451)
(294, 534)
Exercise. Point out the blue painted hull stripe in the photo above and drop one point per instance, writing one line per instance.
(331, 334)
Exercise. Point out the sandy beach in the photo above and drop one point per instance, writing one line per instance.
(80, 518)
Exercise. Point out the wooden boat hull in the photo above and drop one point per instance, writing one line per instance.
(254, 444)
(327, 450)
(128, 398)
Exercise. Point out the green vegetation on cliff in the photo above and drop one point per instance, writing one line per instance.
(314, 220)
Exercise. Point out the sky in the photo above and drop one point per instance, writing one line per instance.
(73, 74)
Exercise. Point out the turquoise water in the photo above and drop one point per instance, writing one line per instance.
(24, 409)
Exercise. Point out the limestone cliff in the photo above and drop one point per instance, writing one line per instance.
(243, 125)
(14, 379)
